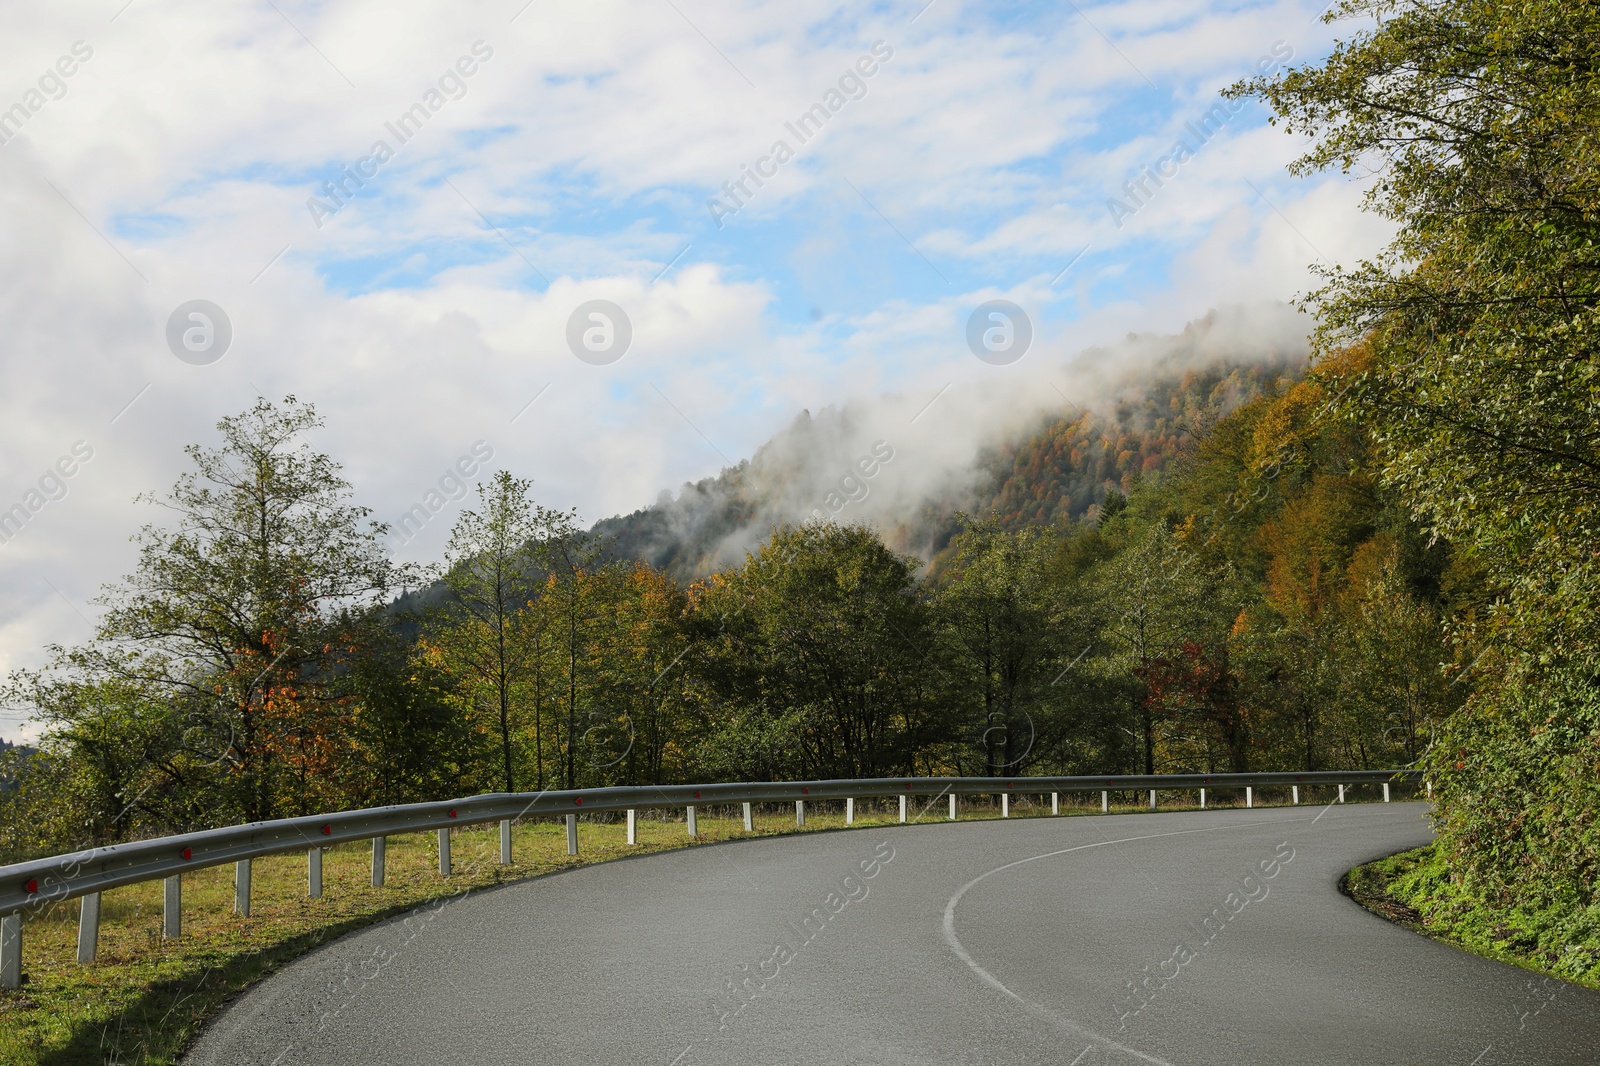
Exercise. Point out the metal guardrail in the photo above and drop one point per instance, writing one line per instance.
(29, 886)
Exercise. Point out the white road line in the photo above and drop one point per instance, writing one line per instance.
(1043, 1012)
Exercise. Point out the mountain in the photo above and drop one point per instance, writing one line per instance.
(1028, 461)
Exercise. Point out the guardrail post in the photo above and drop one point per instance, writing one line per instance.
(1294, 791)
(694, 830)
(633, 826)
(902, 809)
(241, 888)
(1386, 792)
(314, 873)
(1202, 799)
(88, 926)
(952, 806)
(505, 842)
(380, 856)
(849, 811)
(11, 951)
(749, 822)
(1152, 799)
(572, 834)
(1005, 805)
(1249, 796)
(444, 853)
(1341, 793)
(172, 907)
(1105, 802)
(799, 813)
(1055, 803)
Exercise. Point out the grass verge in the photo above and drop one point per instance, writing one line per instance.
(1415, 889)
(144, 998)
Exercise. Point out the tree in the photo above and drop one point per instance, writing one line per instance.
(1390, 660)
(1001, 621)
(492, 575)
(1473, 340)
(235, 618)
(1192, 687)
(636, 725)
(112, 762)
(1158, 595)
(570, 557)
(1472, 345)
(817, 651)
(413, 743)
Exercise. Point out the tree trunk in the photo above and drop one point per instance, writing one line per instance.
(572, 685)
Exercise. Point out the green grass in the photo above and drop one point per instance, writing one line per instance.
(1415, 889)
(145, 998)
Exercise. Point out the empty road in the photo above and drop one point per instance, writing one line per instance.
(1216, 938)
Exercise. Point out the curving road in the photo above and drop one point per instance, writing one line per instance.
(1198, 939)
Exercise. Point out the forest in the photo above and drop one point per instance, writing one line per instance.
(1256, 603)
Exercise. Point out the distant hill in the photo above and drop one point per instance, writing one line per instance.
(1061, 472)
(1044, 454)
(1054, 468)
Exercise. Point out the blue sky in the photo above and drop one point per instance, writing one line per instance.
(574, 163)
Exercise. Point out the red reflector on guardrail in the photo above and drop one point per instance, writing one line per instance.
(807, 791)
(578, 800)
(452, 812)
(31, 887)
(697, 793)
(908, 784)
(187, 853)
(327, 830)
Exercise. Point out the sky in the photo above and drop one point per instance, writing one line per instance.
(406, 213)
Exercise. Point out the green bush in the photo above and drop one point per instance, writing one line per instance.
(1517, 776)
(1417, 888)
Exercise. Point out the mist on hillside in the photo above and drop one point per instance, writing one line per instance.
(1039, 445)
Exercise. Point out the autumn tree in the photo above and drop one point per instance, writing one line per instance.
(1471, 345)
(1472, 351)
(629, 727)
(234, 618)
(1191, 687)
(412, 741)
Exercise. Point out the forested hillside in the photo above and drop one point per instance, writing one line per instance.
(1201, 578)
(1061, 474)
(1051, 473)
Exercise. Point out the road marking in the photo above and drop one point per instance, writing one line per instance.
(993, 982)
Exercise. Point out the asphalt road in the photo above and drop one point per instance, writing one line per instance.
(1201, 938)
